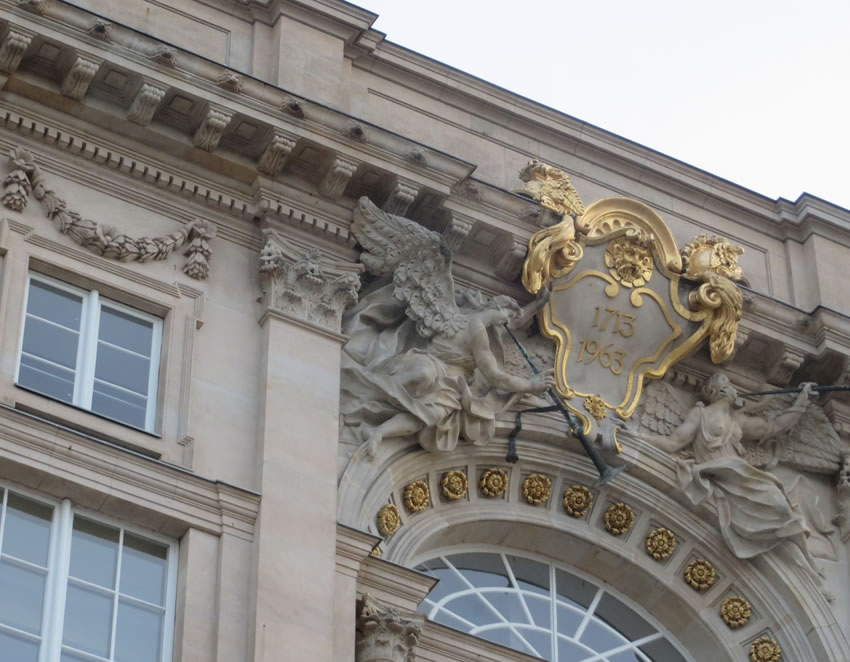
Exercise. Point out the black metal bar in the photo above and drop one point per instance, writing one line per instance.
(606, 472)
(797, 389)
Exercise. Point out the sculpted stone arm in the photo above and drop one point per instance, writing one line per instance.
(489, 367)
(530, 310)
(681, 437)
(755, 428)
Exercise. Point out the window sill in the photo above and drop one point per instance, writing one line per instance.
(86, 422)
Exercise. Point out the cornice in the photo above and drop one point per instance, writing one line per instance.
(587, 141)
(180, 497)
(394, 584)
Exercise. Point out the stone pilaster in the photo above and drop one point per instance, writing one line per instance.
(386, 634)
(297, 579)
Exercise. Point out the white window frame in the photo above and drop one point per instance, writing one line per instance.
(58, 568)
(87, 348)
(431, 608)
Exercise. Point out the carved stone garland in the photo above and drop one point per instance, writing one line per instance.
(25, 177)
(385, 634)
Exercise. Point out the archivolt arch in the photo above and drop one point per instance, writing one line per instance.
(787, 605)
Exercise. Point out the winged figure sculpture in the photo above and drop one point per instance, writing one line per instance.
(725, 451)
(424, 359)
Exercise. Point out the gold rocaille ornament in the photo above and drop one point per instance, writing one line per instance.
(765, 649)
(417, 496)
(536, 489)
(595, 406)
(388, 520)
(661, 543)
(454, 485)
(578, 500)
(493, 483)
(619, 518)
(700, 574)
(735, 612)
(626, 304)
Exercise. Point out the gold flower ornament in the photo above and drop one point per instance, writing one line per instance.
(765, 649)
(735, 612)
(577, 500)
(700, 574)
(493, 483)
(388, 520)
(454, 485)
(661, 543)
(536, 489)
(417, 496)
(619, 518)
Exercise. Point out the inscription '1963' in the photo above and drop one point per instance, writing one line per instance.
(609, 355)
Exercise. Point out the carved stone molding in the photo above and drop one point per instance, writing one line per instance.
(785, 365)
(212, 128)
(145, 103)
(456, 233)
(163, 54)
(25, 177)
(401, 198)
(513, 252)
(305, 284)
(278, 151)
(229, 80)
(12, 51)
(35, 6)
(76, 82)
(385, 634)
(100, 29)
(843, 493)
(339, 174)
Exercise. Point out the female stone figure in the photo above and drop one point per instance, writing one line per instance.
(752, 505)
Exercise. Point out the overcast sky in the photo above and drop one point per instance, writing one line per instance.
(753, 91)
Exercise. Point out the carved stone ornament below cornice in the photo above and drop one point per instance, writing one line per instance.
(25, 177)
(306, 285)
(385, 634)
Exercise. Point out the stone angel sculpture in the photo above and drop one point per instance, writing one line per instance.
(721, 446)
(424, 360)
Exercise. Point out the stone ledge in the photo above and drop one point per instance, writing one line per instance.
(64, 463)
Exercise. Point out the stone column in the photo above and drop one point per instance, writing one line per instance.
(385, 634)
(295, 545)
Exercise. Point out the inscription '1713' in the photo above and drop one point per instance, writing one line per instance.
(609, 355)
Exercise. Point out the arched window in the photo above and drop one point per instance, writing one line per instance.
(541, 609)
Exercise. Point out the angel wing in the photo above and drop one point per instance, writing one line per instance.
(664, 407)
(418, 262)
(811, 445)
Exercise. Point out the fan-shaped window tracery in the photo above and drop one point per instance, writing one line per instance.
(541, 609)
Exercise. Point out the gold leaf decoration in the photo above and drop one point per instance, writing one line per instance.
(765, 649)
(376, 552)
(417, 496)
(661, 543)
(577, 500)
(389, 520)
(700, 574)
(595, 406)
(735, 612)
(493, 483)
(454, 485)
(706, 253)
(629, 260)
(537, 489)
(619, 518)
(551, 187)
(723, 298)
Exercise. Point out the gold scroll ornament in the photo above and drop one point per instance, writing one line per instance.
(626, 303)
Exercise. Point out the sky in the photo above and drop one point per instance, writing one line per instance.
(752, 91)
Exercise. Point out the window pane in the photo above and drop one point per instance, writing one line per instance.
(94, 552)
(21, 596)
(125, 331)
(55, 305)
(661, 650)
(139, 634)
(27, 531)
(50, 342)
(143, 569)
(46, 378)
(122, 368)
(601, 638)
(88, 620)
(623, 619)
(119, 405)
(18, 649)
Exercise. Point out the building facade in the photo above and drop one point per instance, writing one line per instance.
(257, 396)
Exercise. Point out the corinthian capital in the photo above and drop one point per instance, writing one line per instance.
(385, 634)
(306, 284)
